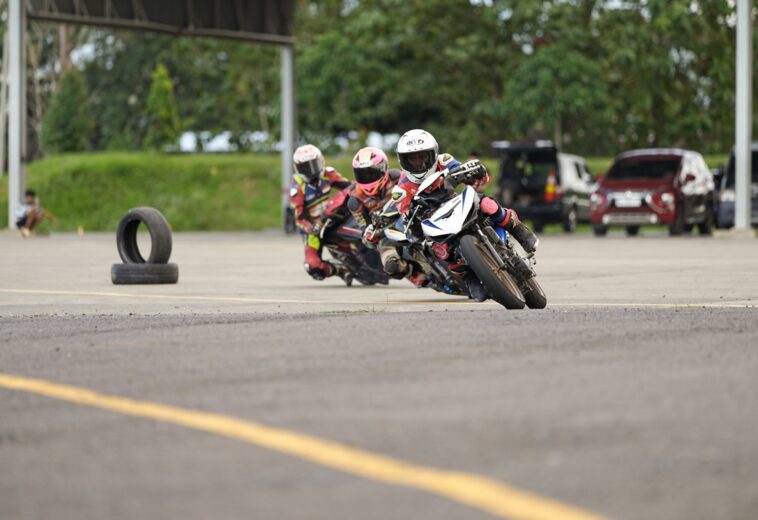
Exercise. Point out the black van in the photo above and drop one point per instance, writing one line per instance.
(725, 200)
(543, 184)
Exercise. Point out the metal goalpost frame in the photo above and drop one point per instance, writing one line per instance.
(743, 115)
(259, 21)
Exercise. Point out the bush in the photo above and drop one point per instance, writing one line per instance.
(162, 112)
(67, 123)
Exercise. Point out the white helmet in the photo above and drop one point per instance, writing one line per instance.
(309, 162)
(417, 152)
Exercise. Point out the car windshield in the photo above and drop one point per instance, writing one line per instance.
(644, 168)
(730, 171)
(529, 167)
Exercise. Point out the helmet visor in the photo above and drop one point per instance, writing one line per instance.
(369, 174)
(309, 169)
(417, 162)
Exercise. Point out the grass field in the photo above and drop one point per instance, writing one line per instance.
(196, 192)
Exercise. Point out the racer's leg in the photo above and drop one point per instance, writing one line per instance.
(397, 268)
(317, 268)
(508, 220)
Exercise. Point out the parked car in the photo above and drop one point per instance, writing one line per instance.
(725, 198)
(544, 185)
(665, 186)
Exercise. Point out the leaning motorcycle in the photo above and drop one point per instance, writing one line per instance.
(459, 241)
(341, 236)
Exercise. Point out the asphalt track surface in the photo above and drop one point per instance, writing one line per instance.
(249, 391)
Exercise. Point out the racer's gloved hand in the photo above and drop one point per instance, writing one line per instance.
(371, 236)
(320, 227)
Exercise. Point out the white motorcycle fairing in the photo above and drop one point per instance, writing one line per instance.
(450, 218)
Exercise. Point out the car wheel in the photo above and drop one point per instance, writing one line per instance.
(569, 220)
(706, 226)
(599, 230)
(632, 231)
(677, 228)
(538, 226)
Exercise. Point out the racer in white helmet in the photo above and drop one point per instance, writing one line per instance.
(418, 153)
(310, 190)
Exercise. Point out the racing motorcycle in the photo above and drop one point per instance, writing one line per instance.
(458, 241)
(341, 236)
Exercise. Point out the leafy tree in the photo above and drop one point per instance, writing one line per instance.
(162, 112)
(67, 123)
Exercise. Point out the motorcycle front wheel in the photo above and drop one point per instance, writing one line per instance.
(534, 295)
(497, 281)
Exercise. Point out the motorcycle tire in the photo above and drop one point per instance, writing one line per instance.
(534, 295)
(498, 282)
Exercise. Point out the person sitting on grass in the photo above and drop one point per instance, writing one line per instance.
(29, 214)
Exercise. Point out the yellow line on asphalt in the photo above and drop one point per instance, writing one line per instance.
(472, 490)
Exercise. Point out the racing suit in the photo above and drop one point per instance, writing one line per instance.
(309, 200)
(503, 219)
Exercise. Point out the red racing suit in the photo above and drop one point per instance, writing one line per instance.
(309, 200)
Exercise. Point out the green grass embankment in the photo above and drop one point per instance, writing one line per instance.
(198, 192)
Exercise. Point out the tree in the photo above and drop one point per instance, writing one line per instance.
(67, 123)
(162, 113)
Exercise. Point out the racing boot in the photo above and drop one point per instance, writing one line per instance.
(394, 266)
(476, 290)
(342, 272)
(508, 219)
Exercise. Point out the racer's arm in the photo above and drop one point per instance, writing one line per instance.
(297, 202)
(337, 180)
(358, 210)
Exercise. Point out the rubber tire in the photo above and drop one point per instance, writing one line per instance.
(632, 231)
(502, 290)
(137, 274)
(569, 220)
(599, 230)
(160, 236)
(535, 298)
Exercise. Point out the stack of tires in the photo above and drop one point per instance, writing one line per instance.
(135, 269)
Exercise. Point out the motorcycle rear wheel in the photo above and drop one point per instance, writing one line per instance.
(497, 281)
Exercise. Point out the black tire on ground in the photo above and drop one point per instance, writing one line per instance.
(160, 236)
(534, 295)
(498, 283)
(632, 231)
(538, 226)
(705, 228)
(599, 230)
(569, 220)
(133, 274)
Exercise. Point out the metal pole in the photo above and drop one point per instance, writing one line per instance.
(3, 103)
(16, 105)
(288, 123)
(744, 114)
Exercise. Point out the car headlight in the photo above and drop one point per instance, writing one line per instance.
(667, 198)
(726, 196)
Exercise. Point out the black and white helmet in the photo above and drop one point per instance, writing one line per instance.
(309, 162)
(417, 152)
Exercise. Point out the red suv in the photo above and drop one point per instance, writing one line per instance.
(665, 186)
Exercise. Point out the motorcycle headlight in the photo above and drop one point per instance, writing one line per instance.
(726, 196)
(667, 198)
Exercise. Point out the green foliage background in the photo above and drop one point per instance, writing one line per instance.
(162, 113)
(67, 123)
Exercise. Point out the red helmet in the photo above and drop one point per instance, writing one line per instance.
(371, 169)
